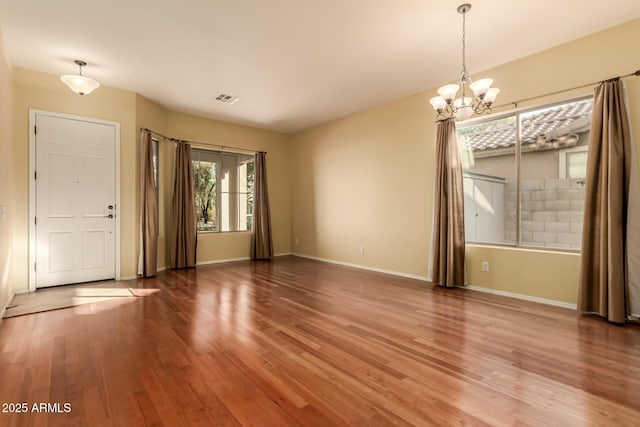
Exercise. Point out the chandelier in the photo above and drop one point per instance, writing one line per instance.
(78, 83)
(464, 107)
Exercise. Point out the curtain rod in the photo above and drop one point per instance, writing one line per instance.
(181, 141)
(515, 103)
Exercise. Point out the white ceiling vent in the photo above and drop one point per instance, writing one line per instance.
(227, 99)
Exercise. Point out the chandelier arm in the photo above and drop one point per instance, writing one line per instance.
(482, 108)
(447, 113)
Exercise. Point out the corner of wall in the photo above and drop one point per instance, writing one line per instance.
(7, 189)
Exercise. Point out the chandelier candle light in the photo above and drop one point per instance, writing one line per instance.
(464, 107)
(78, 83)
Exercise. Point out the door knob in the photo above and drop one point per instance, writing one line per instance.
(110, 216)
(110, 207)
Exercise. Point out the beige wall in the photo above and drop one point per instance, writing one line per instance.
(367, 179)
(7, 171)
(224, 246)
(542, 274)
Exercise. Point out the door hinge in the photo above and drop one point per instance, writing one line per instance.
(35, 130)
(35, 175)
(35, 220)
(35, 266)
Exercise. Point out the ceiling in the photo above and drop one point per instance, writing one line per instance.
(293, 64)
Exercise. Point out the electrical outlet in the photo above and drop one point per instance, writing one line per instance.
(485, 266)
(297, 241)
(361, 250)
(3, 211)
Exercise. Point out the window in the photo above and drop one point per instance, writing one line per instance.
(573, 162)
(223, 187)
(526, 188)
(488, 162)
(154, 147)
(156, 177)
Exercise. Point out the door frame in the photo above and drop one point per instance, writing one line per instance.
(32, 186)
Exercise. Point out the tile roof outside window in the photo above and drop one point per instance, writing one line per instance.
(539, 126)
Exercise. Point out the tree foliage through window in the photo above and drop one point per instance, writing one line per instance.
(204, 174)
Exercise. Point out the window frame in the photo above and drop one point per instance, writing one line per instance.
(218, 193)
(518, 112)
(253, 186)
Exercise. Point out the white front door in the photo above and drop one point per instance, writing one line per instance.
(75, 201)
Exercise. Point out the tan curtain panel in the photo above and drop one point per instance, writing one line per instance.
(604, 273)
(183, 231)
(261, 241)
(148, 209)
(446, 266)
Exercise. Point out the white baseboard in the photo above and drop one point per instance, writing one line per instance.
(523, 297)
(4, 309)
(409, 276)
(424, 279)
(220, 261)
(364, 267)
(23, 291)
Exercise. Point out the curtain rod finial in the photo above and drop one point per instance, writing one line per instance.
(637, 73)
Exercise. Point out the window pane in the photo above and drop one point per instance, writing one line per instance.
(249, 198)
(552, 190)
(487, 152)
(245, 183)
(576, 164)
(156, 175)
(205, 189)
(228, 194)
(154, 148)
(223, 184)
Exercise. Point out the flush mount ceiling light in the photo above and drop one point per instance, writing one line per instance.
(464, 107)
(78, 83)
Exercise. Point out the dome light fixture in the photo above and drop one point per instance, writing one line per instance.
(78, 83)
(464, 107)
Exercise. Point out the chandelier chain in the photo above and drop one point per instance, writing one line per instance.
(464, 44)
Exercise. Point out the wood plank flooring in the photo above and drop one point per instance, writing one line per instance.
(295, 342)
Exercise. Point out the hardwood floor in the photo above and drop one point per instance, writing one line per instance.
(296, 342)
